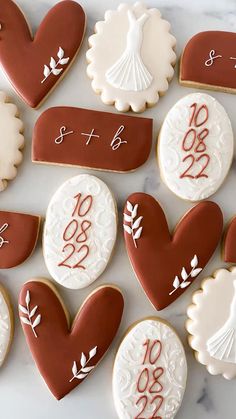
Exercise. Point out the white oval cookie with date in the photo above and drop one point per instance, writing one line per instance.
(80, 231)
(131, 57)
(150, 371)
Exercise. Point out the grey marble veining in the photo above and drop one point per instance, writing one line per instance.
(22, 391)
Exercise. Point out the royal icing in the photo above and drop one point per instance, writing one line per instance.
(195, 147)
(12, 141)
(64, 356)
(18, 237)
(130, 75)
(208, 61)
(35, 64)
(92, 139)
(156, 254)
(6, 327)
(80, 231)
(214, 340)
(150, 372)
(228, 244)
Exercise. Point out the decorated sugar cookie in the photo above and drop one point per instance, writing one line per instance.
(18, 237)
(229, 242)
(209, 61)
(67, 354)
(150, 372)
(131, 57)
(80, 231)
(91, 139)
(12, 140)
(214, 340)
(6, 324)
(166, 264)
(34, 64)
(195, 147)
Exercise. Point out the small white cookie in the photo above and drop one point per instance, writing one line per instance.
(11, 141)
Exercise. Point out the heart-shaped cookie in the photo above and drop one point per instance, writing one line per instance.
(64, 356)
(35, 65)
(166, 265)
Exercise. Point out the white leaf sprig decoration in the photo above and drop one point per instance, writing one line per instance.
(135, 230)
(84, 370)
(30, 314)
(185, 276)
(53, 65)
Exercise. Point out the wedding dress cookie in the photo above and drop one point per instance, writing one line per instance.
(12, 141)
(195, 147)
(214, 340)
(67, 354)
(80, 231)
(150, 371)
(131, 57)
(6, 324)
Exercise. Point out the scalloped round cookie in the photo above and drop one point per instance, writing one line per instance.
(12, 140)
(131, 57)
(211, 323)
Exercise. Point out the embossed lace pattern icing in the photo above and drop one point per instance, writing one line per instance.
(5, 328)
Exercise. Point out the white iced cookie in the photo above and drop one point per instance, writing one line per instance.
(6, 325)
(80, 231)
(131, 57)
(150, 372)
(214, 340)
(11, 142)
(195, 147)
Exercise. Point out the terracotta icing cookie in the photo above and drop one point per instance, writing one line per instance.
(214, 340)
(229, 242)
(65, 355)
(131, 57)
(91, 139)
(195, 148)
(18, 237)
(165, 264)
(80, 231)
(12, 140)
(150, 372)
(209, 61)
(35, 64)
(6, 324)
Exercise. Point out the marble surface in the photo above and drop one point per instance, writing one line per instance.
(22, 391)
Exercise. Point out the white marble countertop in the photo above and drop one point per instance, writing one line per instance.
(22, 391)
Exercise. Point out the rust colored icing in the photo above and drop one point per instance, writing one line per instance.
(229, 244)
(87, 138)
(159, 256)
(23, 57)
(217, 50)
(18, 237)
(56, 348)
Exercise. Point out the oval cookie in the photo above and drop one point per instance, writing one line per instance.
(214, 340)
(67, 354)
(80, 231)
(195, 147)
(150, 371)
(12, 141)
(6, 324)
(128, 64)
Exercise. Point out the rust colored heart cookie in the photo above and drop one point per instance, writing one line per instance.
(229, 246)
(35, 65)
(166, 264)
(64, 356)
(18, 237)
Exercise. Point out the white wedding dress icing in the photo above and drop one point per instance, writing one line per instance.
(222, 345)
(129, 71)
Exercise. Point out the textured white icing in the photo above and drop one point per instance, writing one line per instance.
(219, 143)
(209, 304)
(101, 234)
(147, 52)
(11, 141)
(5, 328)
(129, 364)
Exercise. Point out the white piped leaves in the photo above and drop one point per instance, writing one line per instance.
(82, 373)
(185, 276)
(135, 229)
(30, 314)
(54, 64)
